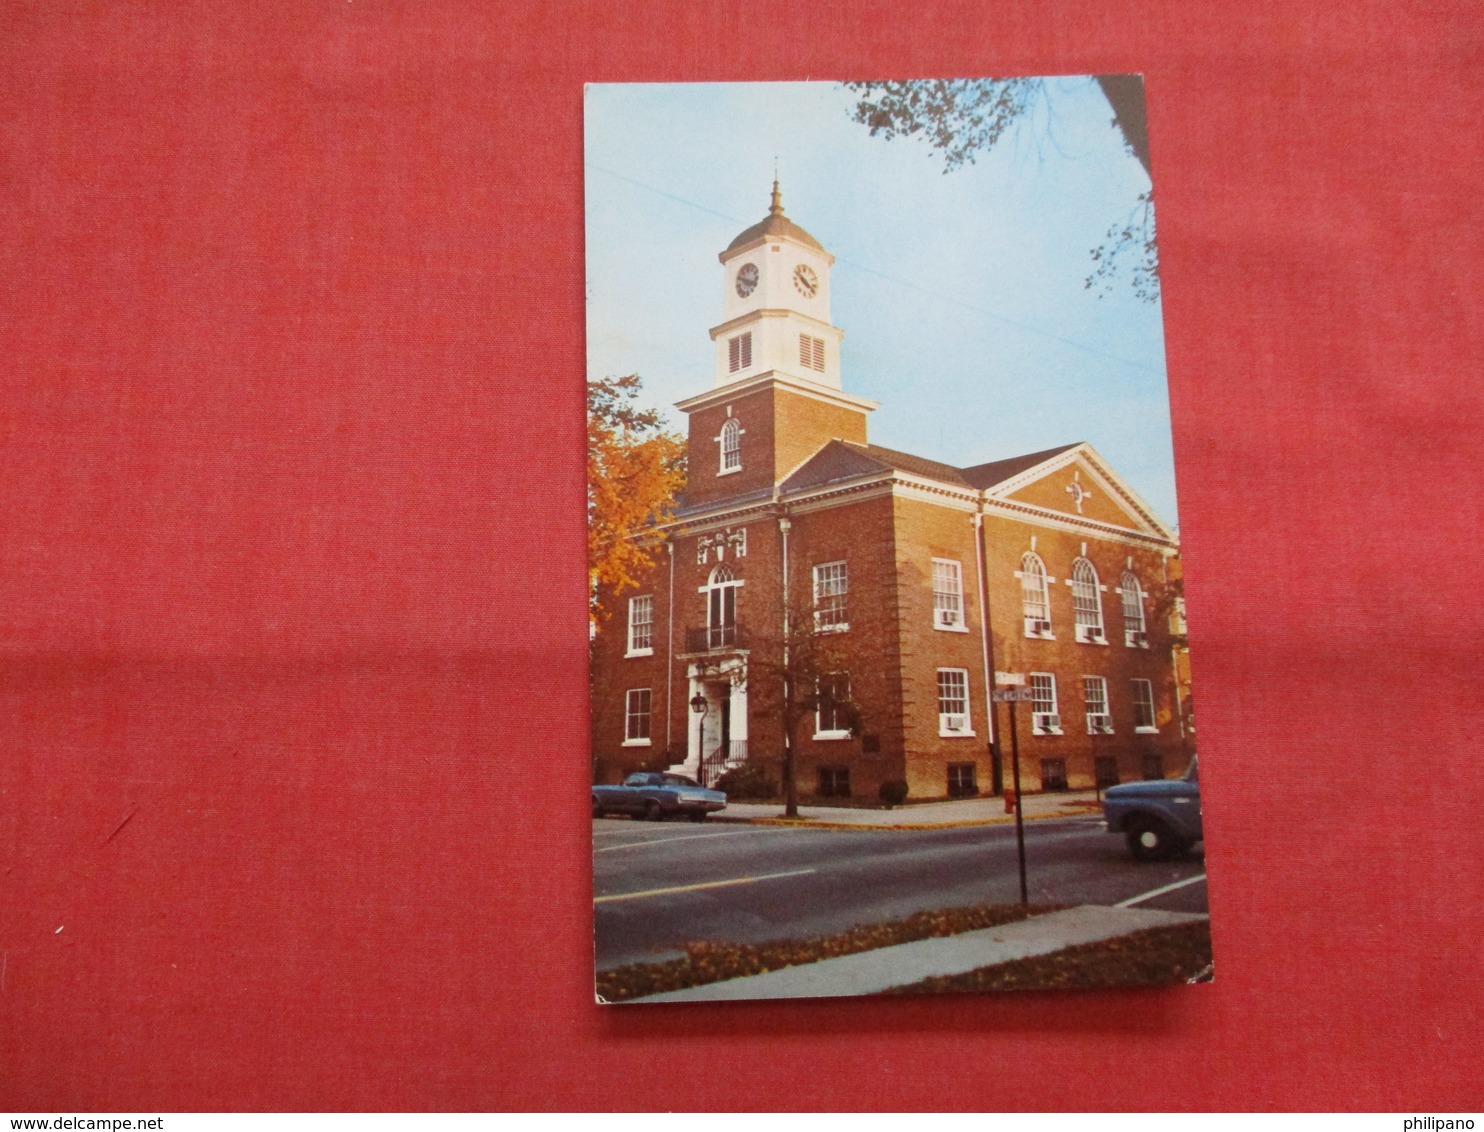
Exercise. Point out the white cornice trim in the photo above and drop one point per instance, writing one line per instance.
(940, 495)
(722, 516)
(835, 495)
(776, 312)
(1056, 520)
(763, 381)
(1089, 459)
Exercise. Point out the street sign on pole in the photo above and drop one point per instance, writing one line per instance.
(1019, 808)
(1014, 695)
(1012, 679)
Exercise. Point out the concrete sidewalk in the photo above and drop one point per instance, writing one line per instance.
(922, 815)
(870, 972)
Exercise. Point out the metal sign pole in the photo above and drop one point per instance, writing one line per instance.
(1019, 800)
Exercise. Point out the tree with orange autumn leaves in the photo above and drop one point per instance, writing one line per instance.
(635, 470)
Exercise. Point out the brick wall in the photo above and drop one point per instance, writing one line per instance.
(781, 429)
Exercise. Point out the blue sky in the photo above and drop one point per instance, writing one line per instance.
(961, 295)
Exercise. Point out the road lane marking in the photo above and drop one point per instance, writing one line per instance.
(1129, 903)
(699, 887)
(668, 840)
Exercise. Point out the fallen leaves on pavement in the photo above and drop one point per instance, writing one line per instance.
(714, 962)
(1173, 954)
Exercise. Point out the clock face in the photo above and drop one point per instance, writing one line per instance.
(747, 279)
(805, 280)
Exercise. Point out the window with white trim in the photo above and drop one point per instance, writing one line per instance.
(636, 717)
(641, 625)
(739, 353)
(948, 594)
(1144, 719)
(721, 607)
(831, 587)
(731, 446)
(953, 702)
(1035, 600)
(811, 352)
(1044, 717)
(1087, 601)
(832, 717)
(1135, 633)
(1095, 698)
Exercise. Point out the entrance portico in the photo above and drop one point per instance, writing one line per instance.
(717, 736)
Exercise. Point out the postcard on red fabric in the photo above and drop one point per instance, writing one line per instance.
(890, 684)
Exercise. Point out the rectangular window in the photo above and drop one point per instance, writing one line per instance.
(1144, 706)
(831, 586)
(1154, 767)
(1095, 695)
(961, 781)
(834, 782)
(636, 717)
(641, 625)
(948, 595)
(1053, 774)
(953, 702)
(832, 719)
(1044, 719)
(811, 352)
(739, 352)
(1105, 771)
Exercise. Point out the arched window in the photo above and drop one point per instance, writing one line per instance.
(1087, 601)
(1034, 599)
(1133, 610)
(731, 446)
(721, 608)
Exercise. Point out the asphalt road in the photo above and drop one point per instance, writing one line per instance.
(658, 886)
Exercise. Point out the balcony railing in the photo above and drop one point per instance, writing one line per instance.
(713, 638)
(722, 757)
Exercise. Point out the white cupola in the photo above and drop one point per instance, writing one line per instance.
(776, 305)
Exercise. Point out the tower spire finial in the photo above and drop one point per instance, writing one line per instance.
(776, 208)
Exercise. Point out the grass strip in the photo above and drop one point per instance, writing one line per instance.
(1155, 956)
(706, 962)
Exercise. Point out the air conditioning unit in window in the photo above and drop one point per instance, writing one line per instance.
(1100, 727)
(1141, 638)
(953, 723)
(1045, 721)
(1092, 636)
(1043, 626)
(946, 617)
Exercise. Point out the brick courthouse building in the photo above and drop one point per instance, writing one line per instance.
(934, 577)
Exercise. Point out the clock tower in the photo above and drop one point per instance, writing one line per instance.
(776, 305)
(777, 397)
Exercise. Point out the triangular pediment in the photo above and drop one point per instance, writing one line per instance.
(1078, 484)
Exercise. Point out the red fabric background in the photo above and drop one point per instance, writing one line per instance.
(291, 581)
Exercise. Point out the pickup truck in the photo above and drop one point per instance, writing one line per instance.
(655, 797)
(1160, 818)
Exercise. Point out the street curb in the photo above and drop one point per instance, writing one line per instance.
(903, 965)
(809, 823)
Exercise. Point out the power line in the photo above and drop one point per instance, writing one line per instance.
(940, 296)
